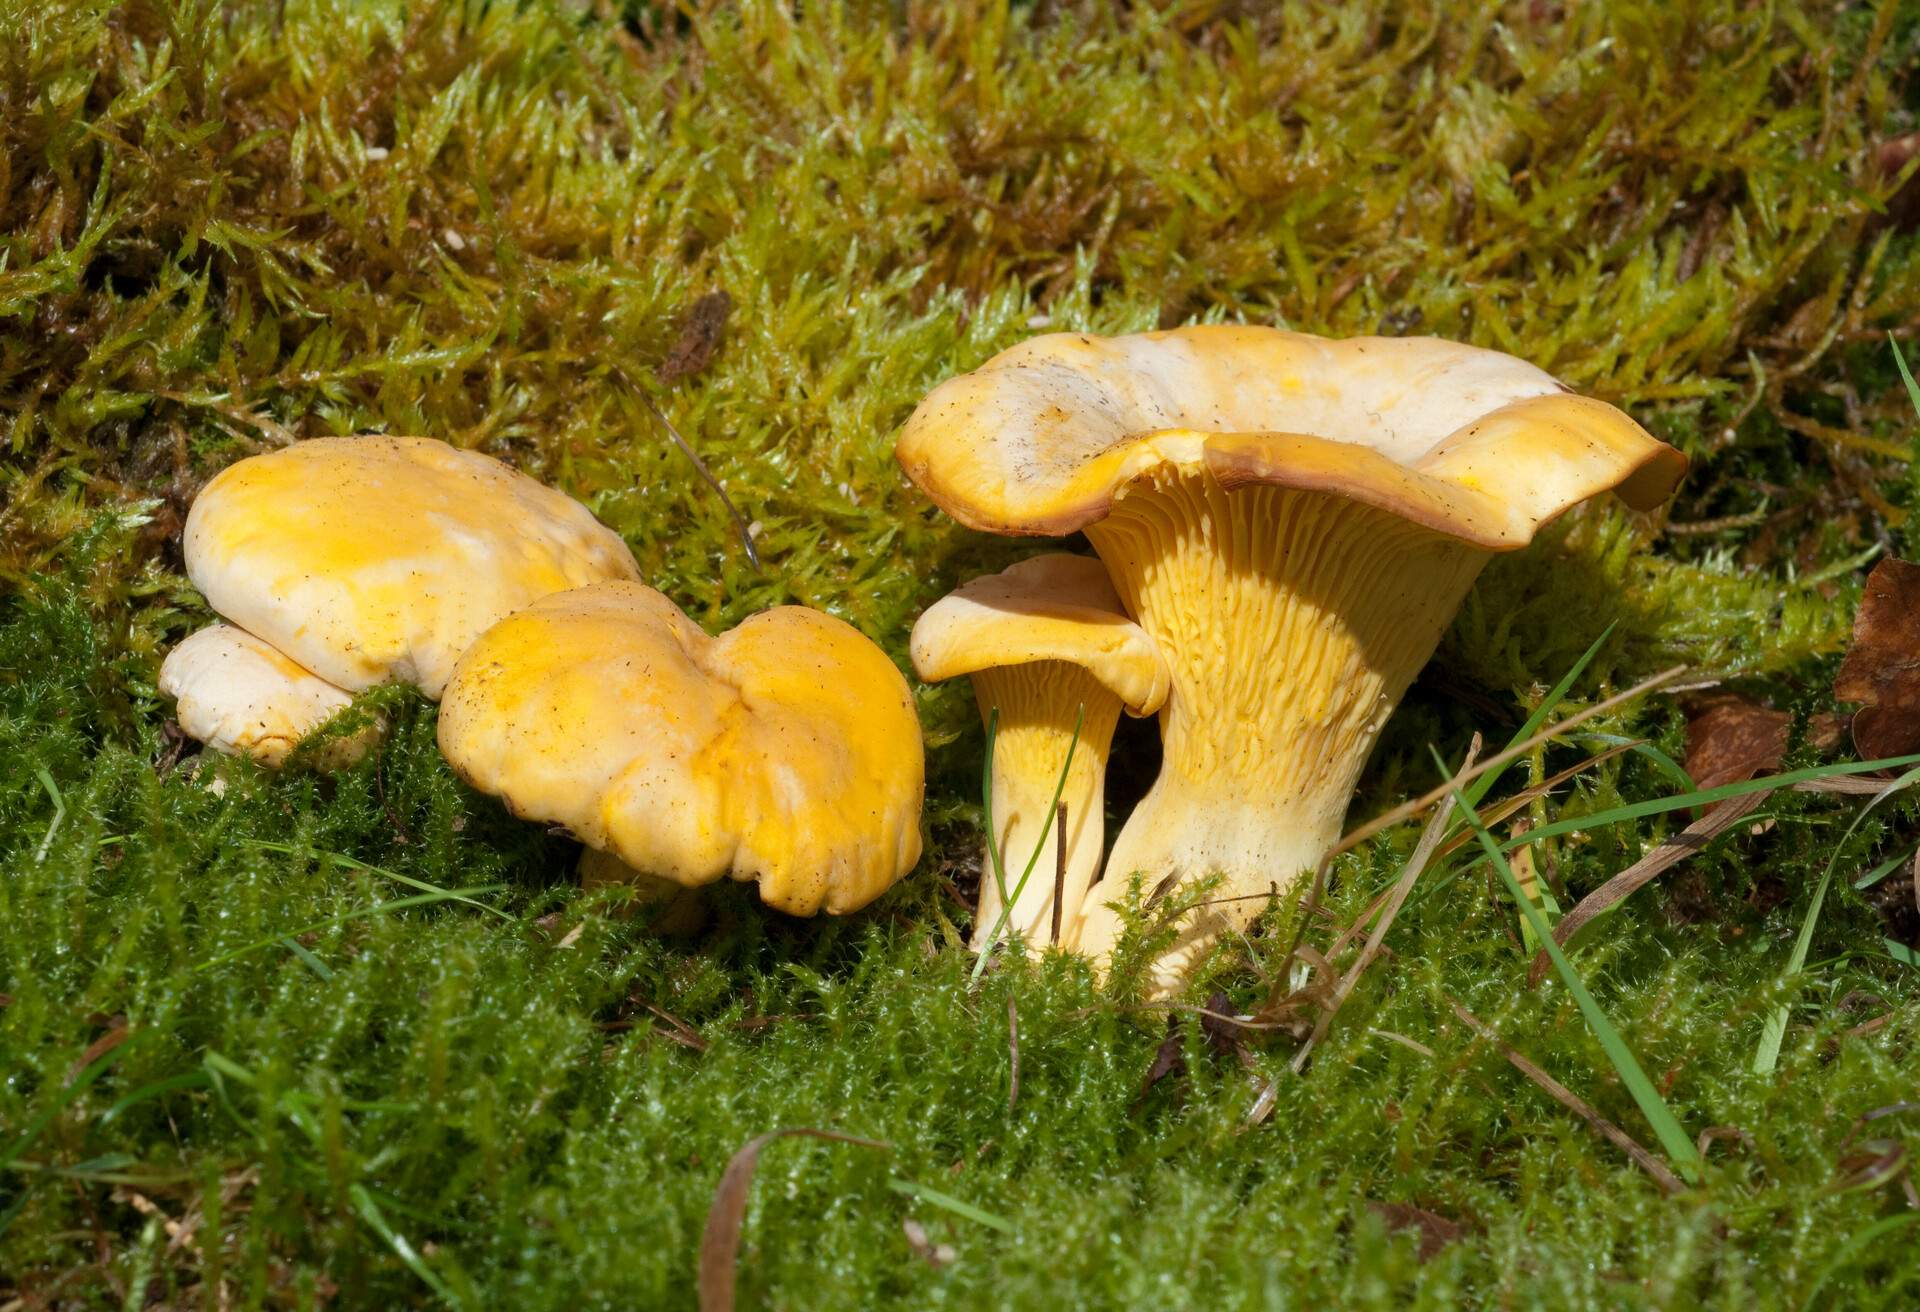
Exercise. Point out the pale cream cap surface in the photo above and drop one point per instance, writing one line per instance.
(1044, 437)
(371, 560)
(238, 695)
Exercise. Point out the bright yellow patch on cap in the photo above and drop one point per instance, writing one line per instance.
(378, 559)
(785, 751)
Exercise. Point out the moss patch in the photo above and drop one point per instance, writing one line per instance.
(224, 227)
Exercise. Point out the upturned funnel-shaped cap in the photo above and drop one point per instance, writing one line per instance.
(1466, 442)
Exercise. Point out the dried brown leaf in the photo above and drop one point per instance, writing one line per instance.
(720, 1238)
(1875, 1162)
(1731, 738)
(1721, 817)
(1169, 1059)
(1882, 669)
(1826, 731)
(1226, 1032)
(702, 329)
(1435, 1230)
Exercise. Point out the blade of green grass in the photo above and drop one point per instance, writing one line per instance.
(369, 1211)
(1479, 788)
(1659, 806)
(959, 1207)
(191, 1080)
(1906, 374)
(424, 899)
(1767, 1055)
(1039, 844)
(73, 1089)
(1851, 1249)
(1680, 1148)
(1886, 867)
(1664, 763)
(994, 859)
(313, 963)
(355, 863)
(985, 803)
(1701, 797)
(59, 813)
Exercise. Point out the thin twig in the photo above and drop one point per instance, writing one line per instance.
(1574, 1103)
(1407, 809)
(1423, 853)
(1013, 1054)
(700, 466)
(1722, 817)
(1059, 868)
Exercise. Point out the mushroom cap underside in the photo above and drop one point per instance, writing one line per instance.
(786, 750)
(378, 559)
(1045, 438)
(1051, 607)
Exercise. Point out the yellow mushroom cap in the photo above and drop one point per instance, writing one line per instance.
(1467, 442)
(785, 751)
(1053, 607)
(238, 695)
(378, 559)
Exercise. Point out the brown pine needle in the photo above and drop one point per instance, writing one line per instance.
(1574, 1103)
(1723, 816)
(700, 466)
(1422, 854)
(1433, 796)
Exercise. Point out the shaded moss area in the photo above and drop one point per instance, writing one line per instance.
(339, 1084)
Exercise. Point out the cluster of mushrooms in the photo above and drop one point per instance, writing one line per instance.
(785, 752)
(1284, 525)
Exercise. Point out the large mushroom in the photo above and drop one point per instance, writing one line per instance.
(785, 751)
(1050, 651)
(1294, 521)
(343, 563)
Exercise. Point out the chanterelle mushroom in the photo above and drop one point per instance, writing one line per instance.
(238, 695)
(785, 751)
(376, 560)
(1294, 521)
(366, 560)
(1046, 643)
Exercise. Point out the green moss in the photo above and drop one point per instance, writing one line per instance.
(224, 225)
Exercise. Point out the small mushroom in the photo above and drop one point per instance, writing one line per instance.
(1294, 521)
(784, 751)
(367, 560)
(1048, 648)
(240, 696)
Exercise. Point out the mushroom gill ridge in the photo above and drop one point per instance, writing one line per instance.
(1292, 623)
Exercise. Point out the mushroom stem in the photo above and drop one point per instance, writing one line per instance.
(676, 910)
(1292, 622)
(1039, 704)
